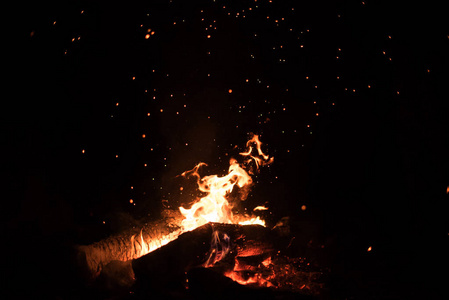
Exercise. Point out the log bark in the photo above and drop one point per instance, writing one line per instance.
(127, 245)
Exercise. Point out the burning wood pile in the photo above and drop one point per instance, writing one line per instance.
(206, 246)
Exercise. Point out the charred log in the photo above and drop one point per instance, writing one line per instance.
(199, 247)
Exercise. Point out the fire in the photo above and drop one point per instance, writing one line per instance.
(251, 264)
(260, 208)
(244, 277)
(220, 247)
(261, 159)
(215, 207)
(141, 246)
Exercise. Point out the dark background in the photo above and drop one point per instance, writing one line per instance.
(371, 167)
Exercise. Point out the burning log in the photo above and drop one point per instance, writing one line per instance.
(206, 245)
(212, 207)
(206, 283)
(209, 234)
(129, 244)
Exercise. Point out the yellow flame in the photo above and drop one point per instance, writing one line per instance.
(260, 208)
(214, 206)
(141, 246)
(265, 160)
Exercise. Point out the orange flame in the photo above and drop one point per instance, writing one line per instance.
(265, 160)
(141, 246)
(214, 207)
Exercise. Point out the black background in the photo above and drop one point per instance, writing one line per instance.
(372, 168)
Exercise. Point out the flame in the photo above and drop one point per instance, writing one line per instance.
(245, 277)
(262, 158)
(141, 246)
(220, 247)
(260, 208)
(215, 207)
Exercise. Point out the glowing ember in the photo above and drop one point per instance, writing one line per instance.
(242, 279)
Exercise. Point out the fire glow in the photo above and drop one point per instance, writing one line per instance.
(241, 247)
(214, 206)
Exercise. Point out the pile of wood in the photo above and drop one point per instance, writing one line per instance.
(193, 249)
(179, 265)
(189, 249)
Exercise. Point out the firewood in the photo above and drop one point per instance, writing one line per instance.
(194, 248)
(247, 240)
(126, 245)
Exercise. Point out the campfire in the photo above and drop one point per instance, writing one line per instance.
(208, 234)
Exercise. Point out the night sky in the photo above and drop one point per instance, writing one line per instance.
(109, 103)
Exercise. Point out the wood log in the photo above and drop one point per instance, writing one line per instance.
(127, 245)
(171, 262)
